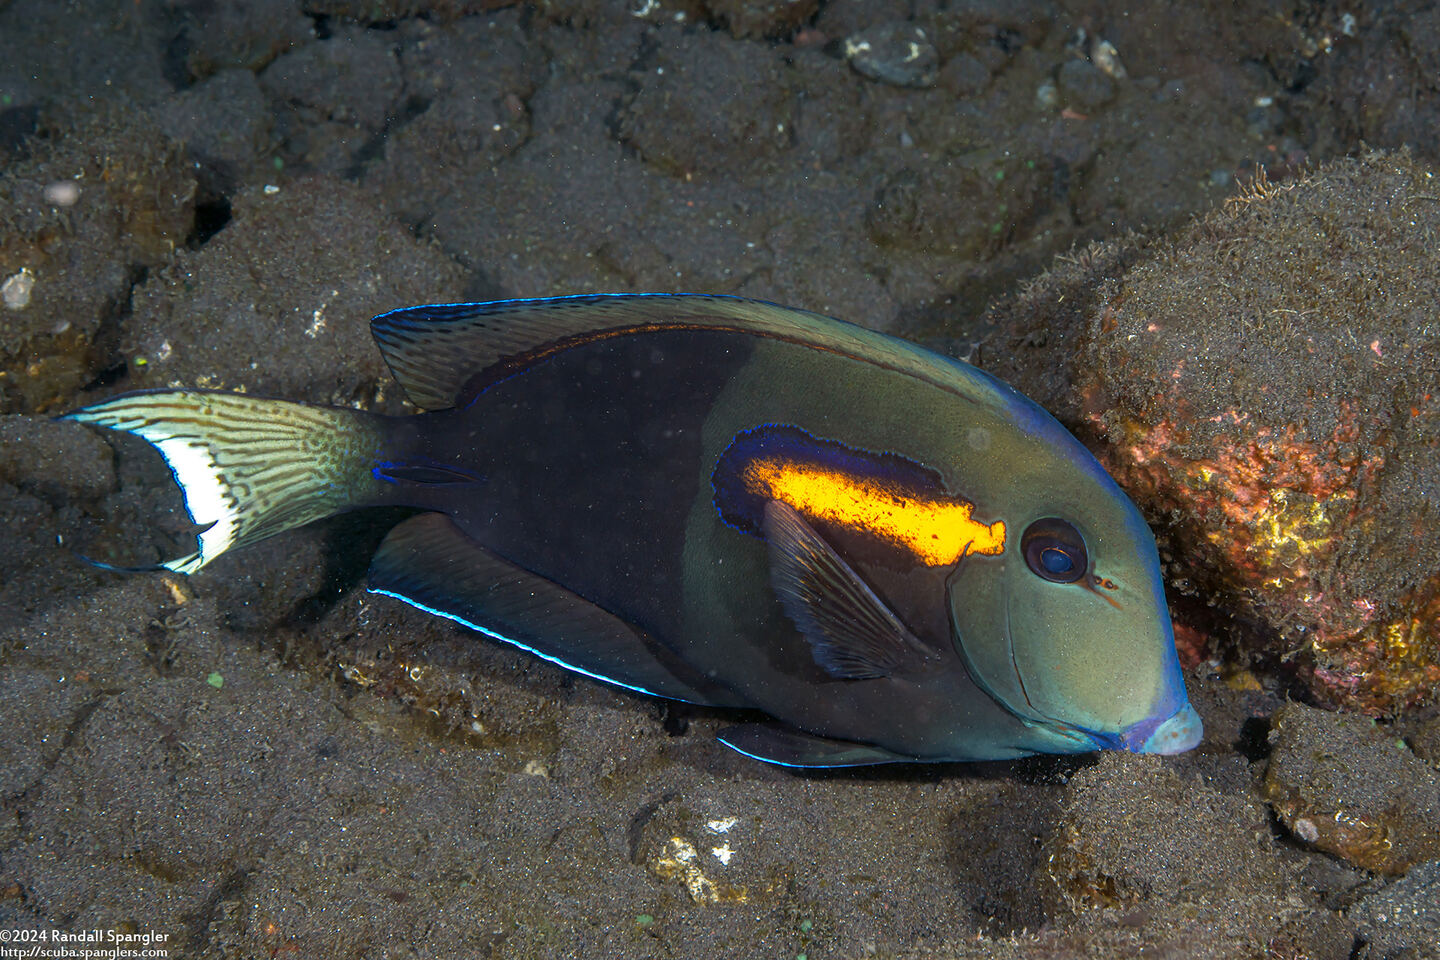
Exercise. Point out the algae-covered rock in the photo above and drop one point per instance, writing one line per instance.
(472, 83)
(688, 118)
(55, 465)
(389, 11)
(971, 208)
(60, 55)
(898, 53)
(1139, 846)
(761, 18)
(1348, 787)
(328, 120)
(97, 203)
(239, 34)
(278, 301)
(1423, 736)
(227, 127)
(1116, 846)
(1266, 378)
(719, 855)
(1402, 922)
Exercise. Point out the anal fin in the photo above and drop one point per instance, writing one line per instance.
(430, 563)
(853, 635)
(795, 748)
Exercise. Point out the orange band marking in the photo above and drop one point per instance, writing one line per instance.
(939, 531)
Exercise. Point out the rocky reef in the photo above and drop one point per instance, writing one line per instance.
(1265, 383)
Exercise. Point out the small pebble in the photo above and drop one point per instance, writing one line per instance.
(62, 193)
(898, 53)
(1047, 97)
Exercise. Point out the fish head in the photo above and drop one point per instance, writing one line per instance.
(1067, 628)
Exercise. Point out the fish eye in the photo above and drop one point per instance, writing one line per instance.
(1055, 561)
(1054, 550)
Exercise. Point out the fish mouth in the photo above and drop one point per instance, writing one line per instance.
(1179, 732)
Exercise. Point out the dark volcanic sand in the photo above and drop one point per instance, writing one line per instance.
(265, 761)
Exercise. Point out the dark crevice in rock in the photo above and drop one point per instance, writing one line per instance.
(108, 376)
(211, 216)
(106, 358)
(229, 888)
(641, 64)
(675, 718)
(17, 124)
(1254, 741)
(175, 64)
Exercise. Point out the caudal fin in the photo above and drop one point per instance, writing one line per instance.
(249, 467)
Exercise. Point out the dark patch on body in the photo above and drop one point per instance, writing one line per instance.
(585, 491)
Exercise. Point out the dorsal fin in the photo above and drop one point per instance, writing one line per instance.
(442, 353)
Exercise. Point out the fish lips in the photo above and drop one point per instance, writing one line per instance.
(1176, 733)
(1165, 736)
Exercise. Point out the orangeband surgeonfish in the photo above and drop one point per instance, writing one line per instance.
(724, 501)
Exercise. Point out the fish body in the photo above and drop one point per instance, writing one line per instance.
(728, 502)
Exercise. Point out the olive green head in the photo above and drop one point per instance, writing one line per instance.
(1067, 626)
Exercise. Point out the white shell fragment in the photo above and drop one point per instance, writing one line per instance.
(16, 290)
(62, 193)
(1104, 55)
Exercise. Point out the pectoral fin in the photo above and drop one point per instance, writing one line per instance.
(430, 563)
(794, 748)
(853, 635)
